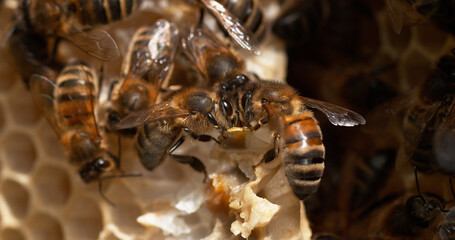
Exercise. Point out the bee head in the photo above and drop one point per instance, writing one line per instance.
(421, 210)
(93, 169)
(275, 95)
(221, 67)
(230, 93)
(44, 17)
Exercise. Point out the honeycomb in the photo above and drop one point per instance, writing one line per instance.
(42, 197)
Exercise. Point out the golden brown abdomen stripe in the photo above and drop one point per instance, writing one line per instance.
(96, 12)
(304, 155)
(75, 95)
(139, 47)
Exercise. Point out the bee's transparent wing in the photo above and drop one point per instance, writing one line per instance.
(43, 90)
(97, 43)
(337, 115)
(156, 112)
(156, 58)
(232, 25)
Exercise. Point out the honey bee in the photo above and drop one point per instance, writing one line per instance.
(428, 111)
(189, 112)
(428, 117)
(214, 62)
(68, 104)
(146, 67)
(245, 24)
(72, 21)
(296, 131)
(410, 219)
(164, 126)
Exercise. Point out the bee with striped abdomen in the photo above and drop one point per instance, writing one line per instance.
(296, 132)
(146, 68)
(426, 127)
(68, 104)
(429, 110)
(164, 127)
(414, 217)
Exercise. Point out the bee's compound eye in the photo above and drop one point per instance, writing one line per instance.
(113, 117)
(89, 172)
(227, 107)
(199, 102)
(102, 163)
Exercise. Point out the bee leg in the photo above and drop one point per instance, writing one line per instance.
(214, 122)
(194, 162)
(200, 138)
(272, 153)
(260, 123)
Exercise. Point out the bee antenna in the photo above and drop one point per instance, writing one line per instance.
(417, 184)
(100, 184)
